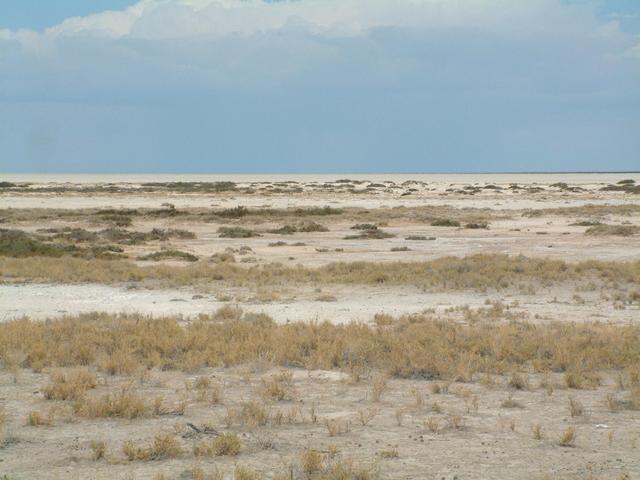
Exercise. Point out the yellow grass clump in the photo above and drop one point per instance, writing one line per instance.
(480, 271)
(165, 445)
(412, 346)
(123, 403)
(70, 385)
(227, 444)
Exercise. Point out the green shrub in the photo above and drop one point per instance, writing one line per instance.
(236, 232)
(169, 254)
(445, 222)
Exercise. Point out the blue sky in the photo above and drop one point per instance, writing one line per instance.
(319, 85)
(39, 14)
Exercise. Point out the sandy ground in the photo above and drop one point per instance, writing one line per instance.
(507, 202)
(350, 304)
(532, 237)
(492, 441)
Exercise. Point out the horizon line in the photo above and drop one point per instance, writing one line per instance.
(530, 172)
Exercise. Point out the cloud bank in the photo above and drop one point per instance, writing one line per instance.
(321, 85)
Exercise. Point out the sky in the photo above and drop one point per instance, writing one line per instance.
(235, 86)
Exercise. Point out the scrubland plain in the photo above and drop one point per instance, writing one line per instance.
(345, 329)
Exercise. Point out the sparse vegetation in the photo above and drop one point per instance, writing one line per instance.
(452, 273)
(568, 437)
(312, 461)
(15, 243)
(18, 244)
(37, 419)
(519, 381)
(306, 227)
(537, 431)
(237, 232)
(70, 385)
(123, 403)
(510, 402)
(616, 230)
(576, 409)
(99, 449)
(476, 226)
(445, 222)
(235, 392)
(169, 255)
(625, 187)
(227, 444)
(419, 238)
(165, 445)
(364, 226)
(370, 234)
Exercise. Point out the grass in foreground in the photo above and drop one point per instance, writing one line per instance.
(412, 346)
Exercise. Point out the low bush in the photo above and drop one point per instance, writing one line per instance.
(616, 230)
(445, 222)
(370, 234)
(169, 255)
(236, 232)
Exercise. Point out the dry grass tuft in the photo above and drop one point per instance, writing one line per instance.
(510, 402)
(122, 403)
(390, 453)
(455, 422)
(70, 385)
(245, 473)
(439, 388)
(165, 445)
(366, 415)
(537, 431)
(98, 449)
(278, 388)
(576, 409)
(432, 424)
(337, 426)
(312, 461)
(568, 437)
(378, 387)
(227, 444)
(37, 419)
(581, 379)
(519, 381)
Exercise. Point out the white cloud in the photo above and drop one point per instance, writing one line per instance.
(322, 79)
(110, 24)
(550, 22)
(161, 19)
